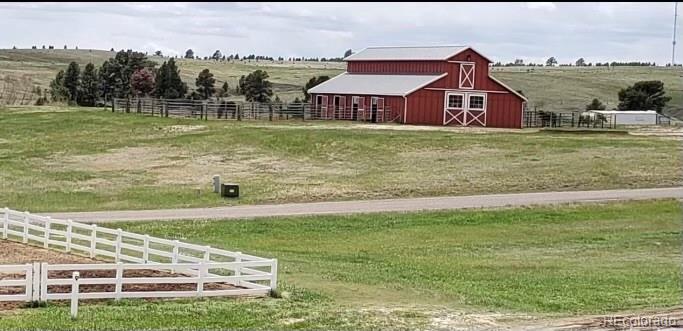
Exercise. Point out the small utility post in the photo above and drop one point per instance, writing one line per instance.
(216, 183)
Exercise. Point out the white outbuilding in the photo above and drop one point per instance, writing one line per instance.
(633, 117)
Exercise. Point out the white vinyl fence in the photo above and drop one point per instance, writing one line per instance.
(149, 266)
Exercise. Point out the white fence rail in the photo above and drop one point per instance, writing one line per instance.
(164, 262)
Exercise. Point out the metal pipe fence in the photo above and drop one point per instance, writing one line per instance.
(241, 110)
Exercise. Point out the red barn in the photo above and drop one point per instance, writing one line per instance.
(437, 85)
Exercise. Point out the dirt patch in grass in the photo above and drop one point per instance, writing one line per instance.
(175, 166)
(18, 253)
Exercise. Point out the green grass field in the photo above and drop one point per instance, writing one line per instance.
(74, 159)
(403, 271)
(554, 89)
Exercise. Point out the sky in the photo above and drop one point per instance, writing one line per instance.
(502, 31)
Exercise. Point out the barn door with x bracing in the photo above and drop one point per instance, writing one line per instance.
(466, 109)
(467, 76)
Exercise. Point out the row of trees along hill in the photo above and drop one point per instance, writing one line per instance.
(218, 56)
(643, 95)
(552, 61)
(130, 74)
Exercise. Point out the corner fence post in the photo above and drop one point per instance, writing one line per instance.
(113, 105)
(273, 275)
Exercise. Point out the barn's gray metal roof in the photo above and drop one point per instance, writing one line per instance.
(399, 85)
(406, 53)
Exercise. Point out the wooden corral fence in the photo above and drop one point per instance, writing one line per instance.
(201, 269)
(240, 110)
(540, 119)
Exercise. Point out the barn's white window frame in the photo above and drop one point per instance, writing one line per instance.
(450, 113)
(469, 99)
(467, 76)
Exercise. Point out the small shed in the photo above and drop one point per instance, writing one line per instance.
(632, 117)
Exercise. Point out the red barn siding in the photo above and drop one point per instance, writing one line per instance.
(504, 110)
(396, 67)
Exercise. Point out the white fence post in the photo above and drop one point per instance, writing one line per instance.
(5, 223)
(273, 275)
(117, 258)
(93, 241)
(43, 281)
(26, 217)
(30, 284)
(145, 249)
(207, 253)
(74, 294)
(69, 229)
(46, 243)
(119, 281)
(238, 269)
(174, 258)
(35, 281)
(200, 279)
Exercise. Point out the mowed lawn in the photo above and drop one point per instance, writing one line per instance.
(401, 271)
(86, 159)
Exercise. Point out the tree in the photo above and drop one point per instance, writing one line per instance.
(168, 82)
(72, 81)
(312, 83)
(158, 53)
(348, 53)
(116, 72)
(595, 105)
(112, 49)
(89, 86)
(643, 95)
(64, 46)
(551, 61)
(256, 87)
(519, 62)
(216, 55)
(205, 83)
(189, 54)
(57, 89)
(580, 62)
(224, 90)
(142, 82)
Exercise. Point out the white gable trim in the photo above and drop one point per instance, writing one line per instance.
(432, 81)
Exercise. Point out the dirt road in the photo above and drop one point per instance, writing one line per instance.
(373, 206)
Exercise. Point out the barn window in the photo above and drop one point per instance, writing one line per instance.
(455, 101)
(477, 102)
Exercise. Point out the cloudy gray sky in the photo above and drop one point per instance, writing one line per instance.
(503, 31)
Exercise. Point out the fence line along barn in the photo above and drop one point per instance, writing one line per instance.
(435, 85)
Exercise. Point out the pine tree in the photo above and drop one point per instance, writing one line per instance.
(72, 81)
(57, 89)
(89, 89)
(204, 83)
(257, 87)
(168, 82)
